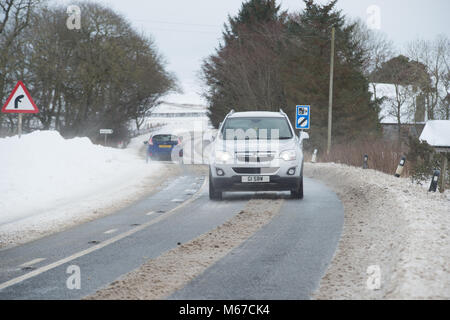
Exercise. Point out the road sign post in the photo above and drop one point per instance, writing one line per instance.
(106, 132)
(19, 126)
(20, 102)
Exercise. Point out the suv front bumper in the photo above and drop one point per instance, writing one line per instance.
(276, 183)
(280, 180)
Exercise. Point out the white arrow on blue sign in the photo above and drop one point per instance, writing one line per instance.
(302, 117)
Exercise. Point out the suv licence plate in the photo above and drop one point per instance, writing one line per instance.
(255, 179)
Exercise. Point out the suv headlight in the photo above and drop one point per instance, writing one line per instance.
(223, 156)
(288, 155)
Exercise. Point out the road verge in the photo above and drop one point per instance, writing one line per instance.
(391, 226)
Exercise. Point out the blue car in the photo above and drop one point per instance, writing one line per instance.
(164, 147)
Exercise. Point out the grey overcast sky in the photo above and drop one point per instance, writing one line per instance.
(186, 31)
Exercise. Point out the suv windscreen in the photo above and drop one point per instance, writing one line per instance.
(256, 128)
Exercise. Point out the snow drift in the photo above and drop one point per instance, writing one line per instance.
(46, 179)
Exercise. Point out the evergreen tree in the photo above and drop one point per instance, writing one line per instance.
(245, 71)
(270, 60)
(306, 76)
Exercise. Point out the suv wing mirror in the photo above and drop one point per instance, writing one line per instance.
(303, 136)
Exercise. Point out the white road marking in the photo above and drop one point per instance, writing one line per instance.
(177, 200)
(100, 245)
(150, 213)
(110, 231)
(30, 263)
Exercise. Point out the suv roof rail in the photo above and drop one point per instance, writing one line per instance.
(229, 114)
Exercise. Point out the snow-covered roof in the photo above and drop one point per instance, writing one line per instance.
(387, 113)
(436, 133)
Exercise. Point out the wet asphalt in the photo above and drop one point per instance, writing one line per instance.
(283, 260)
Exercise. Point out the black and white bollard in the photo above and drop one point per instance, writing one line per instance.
(314, 156)
(434, 181)
(365, 160)
(400, 167)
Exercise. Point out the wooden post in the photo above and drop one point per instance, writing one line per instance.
(330, 94)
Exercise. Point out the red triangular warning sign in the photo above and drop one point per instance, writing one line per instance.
(20, 101)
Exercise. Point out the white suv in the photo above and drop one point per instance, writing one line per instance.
(256, 151)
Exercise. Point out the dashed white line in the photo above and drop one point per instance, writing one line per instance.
(150, 213)
(110, 231)
(100, 245)
(30, 263)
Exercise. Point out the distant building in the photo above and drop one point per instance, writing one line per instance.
(437, 134)
(412, 111)
(175, 110)
(176, 115)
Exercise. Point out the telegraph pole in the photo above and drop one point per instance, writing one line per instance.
(330, 97)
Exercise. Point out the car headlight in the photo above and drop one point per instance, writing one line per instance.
(288, 155)
(223, 156)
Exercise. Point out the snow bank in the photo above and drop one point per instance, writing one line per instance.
(46, 179)
(390, 223)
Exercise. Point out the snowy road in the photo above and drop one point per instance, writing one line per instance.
(302, 236)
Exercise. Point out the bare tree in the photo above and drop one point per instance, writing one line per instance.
(377, 50)
(377, 47)
(15, 16)
(103, 75)
(445, 109)
(435, 56)
(408, 78)
(398, 105)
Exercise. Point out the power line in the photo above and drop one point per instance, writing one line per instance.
(245, 34)
(183, 30)
(179, 23)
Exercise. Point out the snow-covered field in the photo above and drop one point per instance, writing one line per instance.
(49, 183)
(390, 225)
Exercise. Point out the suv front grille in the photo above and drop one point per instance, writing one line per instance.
(247, 170)
(243, 170)
(255, 156)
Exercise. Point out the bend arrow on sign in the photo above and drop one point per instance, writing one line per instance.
(20, 101)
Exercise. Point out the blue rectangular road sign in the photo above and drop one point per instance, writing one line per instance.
(302, 117)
